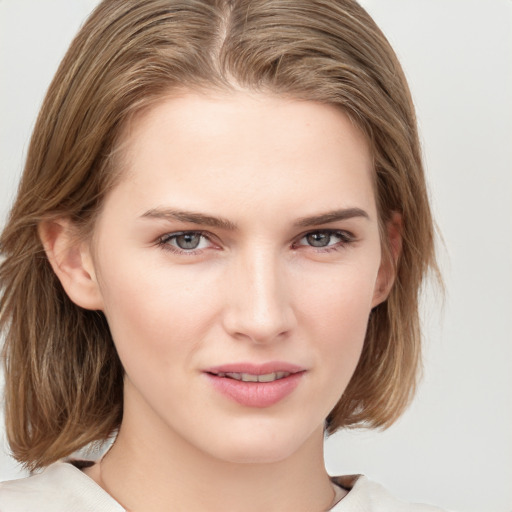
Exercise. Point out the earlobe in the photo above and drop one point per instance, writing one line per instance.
(71, 261)
(390, 257)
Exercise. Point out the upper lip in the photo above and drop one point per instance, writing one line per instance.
(256, 369)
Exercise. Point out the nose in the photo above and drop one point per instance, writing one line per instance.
(258, 299)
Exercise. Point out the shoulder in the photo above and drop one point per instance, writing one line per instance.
(61, 487)
(367, 496)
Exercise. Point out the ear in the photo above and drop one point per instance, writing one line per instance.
(392, 249)
(71, 261)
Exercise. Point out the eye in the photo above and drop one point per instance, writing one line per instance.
(185, 242)
(326, 239)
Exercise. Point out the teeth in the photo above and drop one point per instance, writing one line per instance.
(249, 377)
(269, 377)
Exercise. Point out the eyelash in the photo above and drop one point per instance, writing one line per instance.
(345, 237)
(164, 240)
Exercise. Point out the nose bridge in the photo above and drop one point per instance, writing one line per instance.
(259, 302)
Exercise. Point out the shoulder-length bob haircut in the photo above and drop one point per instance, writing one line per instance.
(64, 380)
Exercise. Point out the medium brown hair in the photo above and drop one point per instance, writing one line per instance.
(64, 380)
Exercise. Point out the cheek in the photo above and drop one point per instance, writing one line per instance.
(337, 307)
(345, 330)
(154, 311)
(340, 296)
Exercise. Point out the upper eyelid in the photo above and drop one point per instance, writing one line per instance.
(163, 242)
(173, 234)
(211, 237)
(332, 231)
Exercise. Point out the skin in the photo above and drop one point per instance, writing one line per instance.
(255, 290)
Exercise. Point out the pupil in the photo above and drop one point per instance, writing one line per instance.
(318, 239)
(188, 241)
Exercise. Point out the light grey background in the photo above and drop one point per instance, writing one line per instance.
(454, 446)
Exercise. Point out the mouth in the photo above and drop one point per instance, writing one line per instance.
(251, 377)
(256, 385)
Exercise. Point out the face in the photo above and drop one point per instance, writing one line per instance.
(237, 262)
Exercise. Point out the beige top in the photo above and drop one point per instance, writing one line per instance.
(62, 487)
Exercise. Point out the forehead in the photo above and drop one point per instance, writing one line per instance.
(234, 148)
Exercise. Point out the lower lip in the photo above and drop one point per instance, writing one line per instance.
(256, 394)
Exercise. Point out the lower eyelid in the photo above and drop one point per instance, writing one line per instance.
(164, 241)
(344, 238)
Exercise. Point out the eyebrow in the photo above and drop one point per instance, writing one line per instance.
(219, 222)
(192, 217)
(333, 216)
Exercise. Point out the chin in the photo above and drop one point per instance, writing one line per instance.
(263, 446)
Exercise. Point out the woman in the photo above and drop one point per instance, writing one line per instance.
(214, 256)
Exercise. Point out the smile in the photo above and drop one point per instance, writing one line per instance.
(249, 377)
(256, 385)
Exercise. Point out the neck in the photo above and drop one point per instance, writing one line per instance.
(151, 469)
